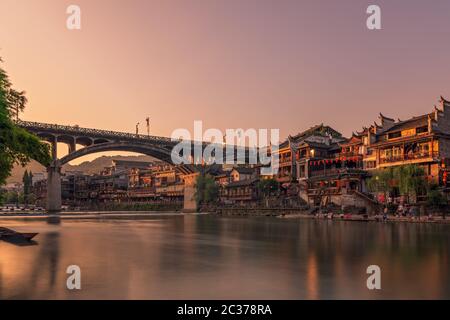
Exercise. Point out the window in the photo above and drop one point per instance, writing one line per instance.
(371, 164)
(396, 151)
(424, 148)
(394, 135)
(422, 129)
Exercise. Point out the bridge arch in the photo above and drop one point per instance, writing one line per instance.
(156, 152)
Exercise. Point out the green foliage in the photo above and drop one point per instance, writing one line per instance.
(206, 189)
(435, 198)
(27, 180)
(31, 198)
(17, 146)
(410, 180)
(267, 187)
(381, 181)
(2, 196)
(11, 197)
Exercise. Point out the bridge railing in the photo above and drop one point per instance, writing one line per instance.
(108, 134)
(76, 130)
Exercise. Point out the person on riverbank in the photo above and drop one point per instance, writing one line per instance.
(385, 213)
(413, 212)
(403, 210)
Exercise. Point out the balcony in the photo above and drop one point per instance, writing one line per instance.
(409, 157)
(322, 173)
(349, 154)
(335, 171)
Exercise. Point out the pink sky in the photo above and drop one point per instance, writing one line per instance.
(249, 63)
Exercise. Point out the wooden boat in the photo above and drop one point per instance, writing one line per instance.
(6, 233)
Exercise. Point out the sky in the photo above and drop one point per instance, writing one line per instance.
(232, 64)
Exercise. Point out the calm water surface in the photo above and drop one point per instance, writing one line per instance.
(209, 257)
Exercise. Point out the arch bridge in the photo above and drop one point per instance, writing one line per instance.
(94, 141)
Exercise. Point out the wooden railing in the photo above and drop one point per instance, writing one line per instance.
(334, 171)
(407, 157)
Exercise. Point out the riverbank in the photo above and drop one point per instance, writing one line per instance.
(275, 213)
(363, 218)
(87, 215)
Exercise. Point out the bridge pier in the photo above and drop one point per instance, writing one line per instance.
(190, 205)
(54, 188)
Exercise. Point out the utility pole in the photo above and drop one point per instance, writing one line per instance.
(148, 126)
(137, 129)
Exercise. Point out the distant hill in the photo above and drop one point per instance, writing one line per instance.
(96, 165)
(17, 172)
(87, 167)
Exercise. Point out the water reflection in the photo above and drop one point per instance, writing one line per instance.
(201, 256)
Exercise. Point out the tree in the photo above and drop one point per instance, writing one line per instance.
(27, 180)
(32, 198)
(12, 197)
(437, 200)
(206, 190)
(267, 187)
(382, 181)
(21, 198)
(17, 146)
(3, 194)
(411, 181)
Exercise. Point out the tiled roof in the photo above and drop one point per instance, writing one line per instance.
(244, 170)
(241, 183)
(412, 123)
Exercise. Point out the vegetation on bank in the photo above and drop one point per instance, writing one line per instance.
(17, 146)
(409, 181)
(268, 187)
(206, 190)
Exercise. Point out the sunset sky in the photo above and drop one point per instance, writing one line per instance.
(249, 63)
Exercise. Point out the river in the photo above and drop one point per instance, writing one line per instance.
(174, 256)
